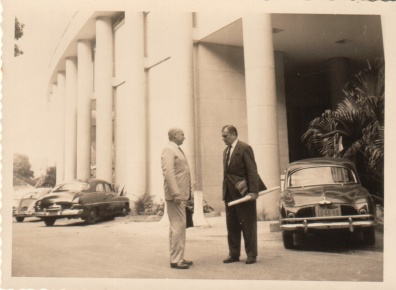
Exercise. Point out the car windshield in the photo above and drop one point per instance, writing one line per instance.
(321, 175)
(72, 186)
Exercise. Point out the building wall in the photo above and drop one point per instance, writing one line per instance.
(220, 97)
(307, 97)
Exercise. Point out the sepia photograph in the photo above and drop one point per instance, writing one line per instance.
(220, 144)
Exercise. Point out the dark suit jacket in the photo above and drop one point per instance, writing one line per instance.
(242, 165)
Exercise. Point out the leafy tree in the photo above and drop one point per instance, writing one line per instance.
(18, 34)
(49, 179)
(22, 166)
(355, 130)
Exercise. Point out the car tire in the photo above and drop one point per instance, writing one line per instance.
(92, 216)
(49, 222)
(288, 241)
(20, 219)
(125, 210)
(369, 236)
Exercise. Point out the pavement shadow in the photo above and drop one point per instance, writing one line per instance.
(76, 222)
(338, 242)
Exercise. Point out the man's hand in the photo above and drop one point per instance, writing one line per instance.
(254, 196)
(177, 201)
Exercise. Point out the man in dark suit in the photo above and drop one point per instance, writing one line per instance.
(177, 188)
(239, 164)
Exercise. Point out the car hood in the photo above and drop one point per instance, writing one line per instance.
(315, 194)
(58, 197)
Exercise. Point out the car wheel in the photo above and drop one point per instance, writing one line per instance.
(92, 216)
(369, 236)
(49, 222)
(20, 219)
(125, 210)
(288, 241)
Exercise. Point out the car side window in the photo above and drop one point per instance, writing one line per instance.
(99, 187)
(108, 188)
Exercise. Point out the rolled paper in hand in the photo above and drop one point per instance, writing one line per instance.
(248, 197)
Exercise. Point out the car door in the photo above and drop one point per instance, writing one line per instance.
(100, 196)
(112, 205)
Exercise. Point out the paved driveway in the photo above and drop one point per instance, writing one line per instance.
(126, 249)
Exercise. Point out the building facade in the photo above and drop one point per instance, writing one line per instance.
(119, 80)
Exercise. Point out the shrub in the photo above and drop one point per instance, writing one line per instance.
(145, 205)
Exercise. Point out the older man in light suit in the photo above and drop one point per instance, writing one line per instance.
(177, 187)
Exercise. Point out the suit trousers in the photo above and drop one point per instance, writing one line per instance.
(177, 230)
(241, 218)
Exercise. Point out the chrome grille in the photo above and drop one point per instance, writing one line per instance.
(306, 212)
(348, 210)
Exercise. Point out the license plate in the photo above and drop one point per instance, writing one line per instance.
(327, 211)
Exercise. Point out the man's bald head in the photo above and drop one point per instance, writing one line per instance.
(176, 135)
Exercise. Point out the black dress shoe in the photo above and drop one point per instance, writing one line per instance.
(230, 259)
(187, 262)
(179, 266)
(251, 260)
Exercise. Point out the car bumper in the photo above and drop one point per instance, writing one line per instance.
(350, 223)
(25, 214)
(60, 213)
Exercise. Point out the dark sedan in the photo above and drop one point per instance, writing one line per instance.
(89, 200)
(325, 194)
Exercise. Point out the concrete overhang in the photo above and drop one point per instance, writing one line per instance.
(81, 27)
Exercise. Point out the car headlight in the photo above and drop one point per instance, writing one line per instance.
(362, 208)
(363, 211)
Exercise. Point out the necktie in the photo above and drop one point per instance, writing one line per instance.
(181, 150)
(228, 155)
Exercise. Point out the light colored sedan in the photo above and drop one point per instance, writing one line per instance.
(324, 195)
(25, 205)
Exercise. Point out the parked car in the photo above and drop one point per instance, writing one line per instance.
(90, 200)
(325, 194)
(25, 206)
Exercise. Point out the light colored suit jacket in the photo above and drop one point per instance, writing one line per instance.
(176, 172)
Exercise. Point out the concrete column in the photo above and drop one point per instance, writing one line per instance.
(338, 68)
(181, 108)
(183, 86)
(121, 130)
(84, 94)
(165, 219)
(281, 111)
(104, 98)
(261, 100)
(53, 126)
(136, 105)
(71, 119)
(198, 216)
(60, 159)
